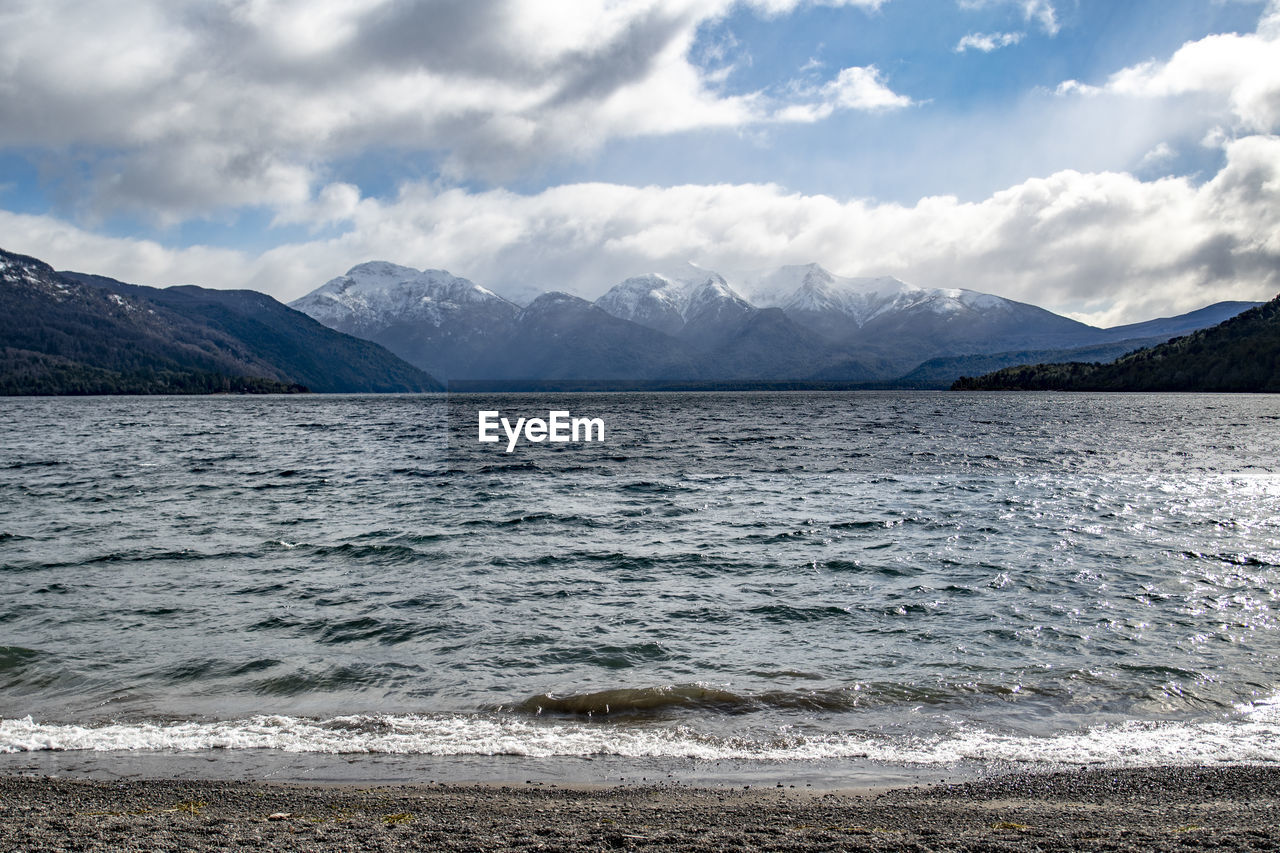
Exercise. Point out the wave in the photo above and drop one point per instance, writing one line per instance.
(1243, 560)
(873, 524)
(331, 632)
(136, 555)
(1250, 736)
(667, 701)
(498, 468)
(13, 658)
(374, 554)
(654, 487)
(640, 700)
(35, 463)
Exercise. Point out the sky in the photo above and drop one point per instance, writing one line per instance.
(1112, 160)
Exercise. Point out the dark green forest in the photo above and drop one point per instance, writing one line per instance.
(23, 372)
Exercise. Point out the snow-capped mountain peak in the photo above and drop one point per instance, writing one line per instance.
(667, 303)
(629, 295)
(373, 271)
(810, 289)
(712, 293)
(554, 301)
(377, 294)
(840, 304)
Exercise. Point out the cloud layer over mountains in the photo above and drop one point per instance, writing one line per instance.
(177, 113)
(1140, 248)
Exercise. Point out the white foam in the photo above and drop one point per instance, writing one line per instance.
(1250, 736)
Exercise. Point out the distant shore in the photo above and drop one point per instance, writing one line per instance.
(1226, 808)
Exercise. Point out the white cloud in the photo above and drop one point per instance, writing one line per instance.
(777, 7)
(1041, 12)
(1075, 87)
(1216, 137)
(1106, 247)
(1269, 23)
(1162, 153)
(858, 88)
(71, 247)
(1240, 71)
(987, 42)
(862, 89)
(175, 108)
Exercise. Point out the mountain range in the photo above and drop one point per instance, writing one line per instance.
(800, 324)
(74, 333)
(385, 327)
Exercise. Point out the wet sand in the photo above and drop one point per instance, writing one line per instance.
(1224, 808)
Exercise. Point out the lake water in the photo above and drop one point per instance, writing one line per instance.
(836, 586)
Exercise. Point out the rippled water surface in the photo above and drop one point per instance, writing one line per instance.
(906, 577)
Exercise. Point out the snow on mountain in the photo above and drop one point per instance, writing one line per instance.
(629, 296)
(713, 293)
(561, 336)
(708, 311)
(378, 294)
(808, 291)
(669, 303)
(789, 322)
(553, 303)
(36, 275)
(437, 321)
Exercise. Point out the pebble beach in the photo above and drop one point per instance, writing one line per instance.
(1222, 808)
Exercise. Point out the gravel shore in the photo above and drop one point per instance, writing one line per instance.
(1226, 808)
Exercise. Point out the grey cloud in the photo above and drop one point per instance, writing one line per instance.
(626, 59)
(1226, 260)
(493, 87)
(456, 36)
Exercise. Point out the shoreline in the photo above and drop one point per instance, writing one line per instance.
(339, 769)
(1228, 808)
